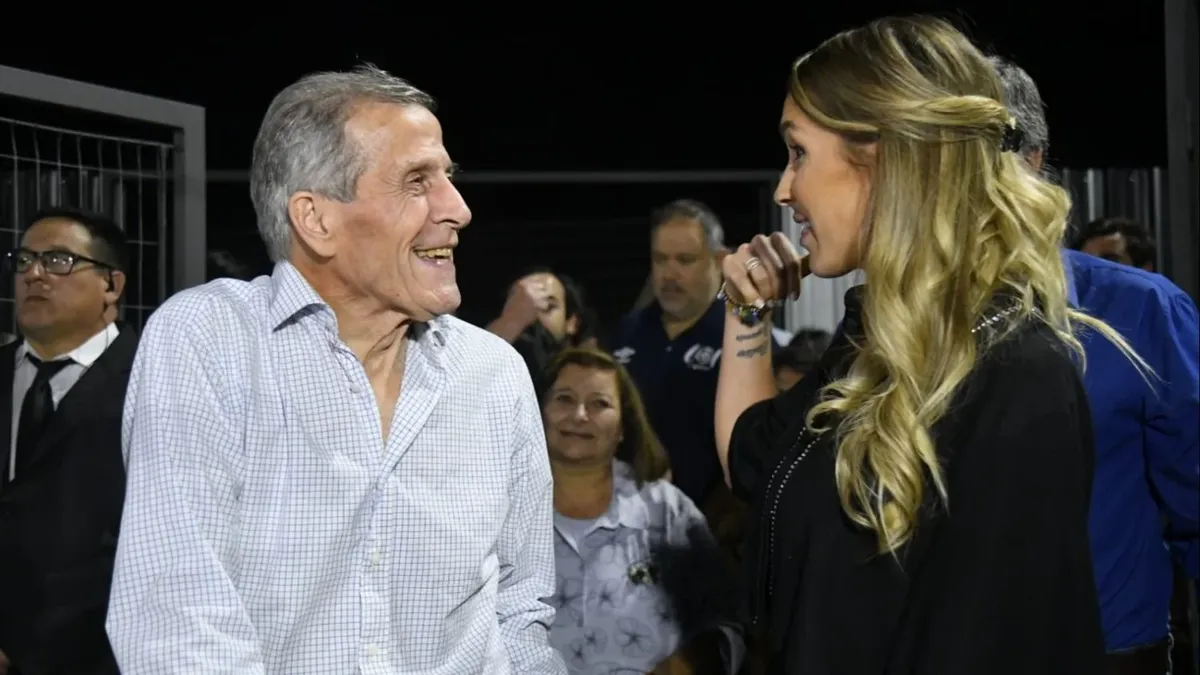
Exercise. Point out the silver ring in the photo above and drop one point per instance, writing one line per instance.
(751, 263)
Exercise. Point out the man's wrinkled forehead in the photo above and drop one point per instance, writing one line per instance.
(400, 138)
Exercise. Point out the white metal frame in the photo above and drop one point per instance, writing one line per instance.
(187, 121)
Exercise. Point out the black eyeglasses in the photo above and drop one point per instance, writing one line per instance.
(60, 263)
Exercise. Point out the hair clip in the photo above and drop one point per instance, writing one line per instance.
(1013, 138)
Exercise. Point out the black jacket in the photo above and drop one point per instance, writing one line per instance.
(997, 581)
(59, 521)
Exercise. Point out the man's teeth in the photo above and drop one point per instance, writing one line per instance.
(435, 253)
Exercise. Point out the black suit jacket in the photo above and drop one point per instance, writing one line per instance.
(59, 520)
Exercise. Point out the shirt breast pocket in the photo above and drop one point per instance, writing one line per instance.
(465, 477)
(637, 562)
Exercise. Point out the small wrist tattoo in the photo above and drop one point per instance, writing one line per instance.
(762, 330)
(760, 350)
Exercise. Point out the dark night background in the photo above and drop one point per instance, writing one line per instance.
(604, 89)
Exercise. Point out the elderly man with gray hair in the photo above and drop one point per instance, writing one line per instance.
(328, 473)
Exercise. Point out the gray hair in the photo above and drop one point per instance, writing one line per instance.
(1024, 101)
(302, 144)
(710, 224)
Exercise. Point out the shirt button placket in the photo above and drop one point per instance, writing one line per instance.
(375, 595)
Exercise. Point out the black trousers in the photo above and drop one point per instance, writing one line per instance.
(1151, 660)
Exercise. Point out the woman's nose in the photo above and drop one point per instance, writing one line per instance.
(783, 189)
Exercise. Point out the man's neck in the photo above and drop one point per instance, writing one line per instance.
(50, 347)
(372, 336)
(375, 334)
(582, 491)
(675, 326)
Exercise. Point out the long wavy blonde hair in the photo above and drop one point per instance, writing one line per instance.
(952, 221)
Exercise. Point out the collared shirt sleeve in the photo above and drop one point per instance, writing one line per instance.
(1172, 426)
(174, 608)
(526, 544)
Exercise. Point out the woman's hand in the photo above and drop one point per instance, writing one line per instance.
(768, 269)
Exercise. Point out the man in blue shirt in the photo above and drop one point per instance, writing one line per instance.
(1118, 239)
(672, 346)
(1147, 457)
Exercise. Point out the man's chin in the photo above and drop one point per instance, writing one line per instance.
(444, 302)
(30, 323)
(671, 303)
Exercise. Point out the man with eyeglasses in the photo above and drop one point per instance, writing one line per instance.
(62, 478)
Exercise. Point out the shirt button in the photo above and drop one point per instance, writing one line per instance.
(373, 651)
(376, 557)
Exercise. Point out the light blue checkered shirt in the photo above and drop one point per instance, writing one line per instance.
(269, 529)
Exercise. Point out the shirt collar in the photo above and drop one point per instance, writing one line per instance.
(291, 294)
(627, 508)
(713, 317)
(1069, 269)
(85, 354)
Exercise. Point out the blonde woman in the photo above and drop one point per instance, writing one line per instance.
(921, 498)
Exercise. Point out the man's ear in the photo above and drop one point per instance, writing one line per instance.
(572, 326)
(313, 222)
(1035, 158)
(116, 287)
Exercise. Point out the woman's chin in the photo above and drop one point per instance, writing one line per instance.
(578, 454)
(823, 268)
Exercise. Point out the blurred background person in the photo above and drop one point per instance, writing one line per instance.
(1145, 510)
(544, 312)
(62, 483)
(798, 357)
(646, 297)
(672, 346)
(641, 585)
(1118, 239)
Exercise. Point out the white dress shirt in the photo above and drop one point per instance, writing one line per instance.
(270, 529)
(82, 358)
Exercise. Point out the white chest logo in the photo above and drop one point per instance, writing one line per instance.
(701, 357)
(624, 355)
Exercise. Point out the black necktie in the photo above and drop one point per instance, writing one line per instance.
(37, 408)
